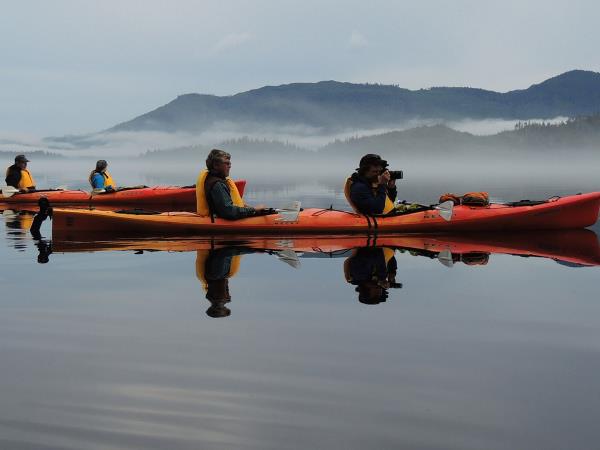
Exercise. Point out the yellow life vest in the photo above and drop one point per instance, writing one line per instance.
(202, 256)
(25, 220)
(27, 180)
(202, 208)
(108, 180)
(389, 204)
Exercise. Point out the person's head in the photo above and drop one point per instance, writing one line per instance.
(101, 165)
(21, 161)
(371, 293)
(371, 166)
(219, 162)
(218, 295)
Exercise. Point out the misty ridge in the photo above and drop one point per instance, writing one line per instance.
(581, 134)
(328, 107)
(308, 120)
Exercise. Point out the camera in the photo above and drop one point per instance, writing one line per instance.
(396, 174)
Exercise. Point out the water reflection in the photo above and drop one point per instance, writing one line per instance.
(109, 344)
(368, 263)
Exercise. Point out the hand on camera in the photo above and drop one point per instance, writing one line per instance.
(384, 178)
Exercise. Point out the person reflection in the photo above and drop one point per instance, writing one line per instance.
(17, 224)
(44, 247)
(214, 268)
(373, 271)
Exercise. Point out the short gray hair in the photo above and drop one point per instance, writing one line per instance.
(214, 156)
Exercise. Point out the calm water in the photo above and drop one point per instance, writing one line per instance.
(105, 348)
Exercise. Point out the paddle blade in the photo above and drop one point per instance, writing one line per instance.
(289, 257)
(445, 257)
(446, 210)
(289, 213)
(8, 191)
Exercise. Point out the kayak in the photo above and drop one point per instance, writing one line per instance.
(579, 247)
(155, 195)
(576, 211)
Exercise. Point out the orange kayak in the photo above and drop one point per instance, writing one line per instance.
(576, 211)
(156, 195)
(578, 246)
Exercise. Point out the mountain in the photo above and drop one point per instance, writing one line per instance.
(329, 106)
(582, 133)
(576, 136)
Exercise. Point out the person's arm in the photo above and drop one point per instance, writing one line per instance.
(365, 201)
(224, 207)
(392, 192)
(13, 177)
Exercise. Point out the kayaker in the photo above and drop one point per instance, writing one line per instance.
(373, 271)
(214, 268)
(19, 177)
(217, 194)
(100, 179)
(371, 190)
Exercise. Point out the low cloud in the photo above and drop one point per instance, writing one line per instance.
(230, 41)
(358, 40)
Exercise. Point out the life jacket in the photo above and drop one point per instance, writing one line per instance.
(388, 207)
(108, 180)
(202, 206)
(26, 180)
(202, 257)
(20, 220)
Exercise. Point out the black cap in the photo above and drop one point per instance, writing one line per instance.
(21, 158)
(371, 160)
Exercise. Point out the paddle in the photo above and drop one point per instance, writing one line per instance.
(445, 257)
(289, 213)
(446, 209)
(9, 191)
(289, 257)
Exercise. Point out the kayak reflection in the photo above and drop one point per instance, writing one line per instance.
(370, 264)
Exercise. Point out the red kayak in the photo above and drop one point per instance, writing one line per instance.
(575, 211)
(155, 195)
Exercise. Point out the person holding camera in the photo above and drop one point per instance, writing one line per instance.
(371, 190)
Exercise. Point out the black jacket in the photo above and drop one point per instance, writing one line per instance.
(219, 200)
(369, 264)
(369, 200)
(13, 176)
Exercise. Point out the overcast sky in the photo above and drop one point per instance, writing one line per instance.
(78, 66)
